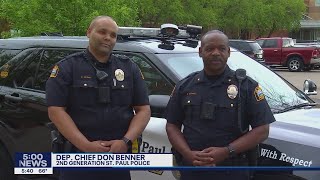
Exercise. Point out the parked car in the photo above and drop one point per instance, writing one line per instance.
(281, 51)
(250, 48)
(315, 44)
(293, 139)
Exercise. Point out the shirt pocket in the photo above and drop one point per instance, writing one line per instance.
(192, 107)
(227, 115)
(85, 92)
(121, 93)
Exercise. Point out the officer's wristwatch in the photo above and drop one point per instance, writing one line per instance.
(232, 151)
(127, 141)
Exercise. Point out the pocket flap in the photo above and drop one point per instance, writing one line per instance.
(85, 84)
(120, 85)
(192, 100)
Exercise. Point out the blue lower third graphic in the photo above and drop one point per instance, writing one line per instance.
(33, 163)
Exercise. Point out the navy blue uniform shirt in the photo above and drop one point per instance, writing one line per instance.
(73, 84)
(186, 104)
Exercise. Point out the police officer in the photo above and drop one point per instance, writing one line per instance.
(206, 103)
(98, 101)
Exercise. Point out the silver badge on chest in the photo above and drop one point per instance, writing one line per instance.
(119, 74)
(232, 91)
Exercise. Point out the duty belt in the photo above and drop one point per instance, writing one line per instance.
(238, 160)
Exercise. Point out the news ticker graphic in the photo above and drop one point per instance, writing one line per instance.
(44, 163)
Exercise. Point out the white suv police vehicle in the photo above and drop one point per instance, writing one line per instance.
(164, 58)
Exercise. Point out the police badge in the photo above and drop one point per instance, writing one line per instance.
(119, 74)
(232, 91)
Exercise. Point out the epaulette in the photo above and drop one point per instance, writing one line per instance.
(250, 79)
(73, 55)
(191, 75)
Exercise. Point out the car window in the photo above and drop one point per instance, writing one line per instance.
(270, 43)
(156, 83)
(27, 71)
(35, 70)
(255, 46)
(287, 43)
(234, 44)
(182, 64)
(48, 59)
(7, 54)
(279, 93)
(260, 42)
(244, 46)
(241, 45)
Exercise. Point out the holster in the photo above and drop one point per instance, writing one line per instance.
(58, 142)
(253, 155)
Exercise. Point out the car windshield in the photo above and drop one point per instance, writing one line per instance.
(255, 46)
(279, 94)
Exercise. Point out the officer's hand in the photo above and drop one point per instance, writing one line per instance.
(203, 160)
(192, 157)
(118, 146)
(95, 146)
(218, 154)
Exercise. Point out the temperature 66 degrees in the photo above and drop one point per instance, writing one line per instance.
(42, 171)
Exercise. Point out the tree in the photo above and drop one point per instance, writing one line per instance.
(239, 18)
(154, 13)
(31, 17)
(4, 23)
(283, 14)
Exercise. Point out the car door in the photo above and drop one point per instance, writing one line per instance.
(271, 51)
(25, 107)
(154, 139)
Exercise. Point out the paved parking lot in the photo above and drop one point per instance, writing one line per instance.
(297, 79)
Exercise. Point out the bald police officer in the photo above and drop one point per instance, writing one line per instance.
(206, 104)
(98, 102)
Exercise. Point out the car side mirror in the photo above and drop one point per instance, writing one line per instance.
(309, 87)
(158, 104)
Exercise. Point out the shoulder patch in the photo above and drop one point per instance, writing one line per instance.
(258, 93)
(54, 71)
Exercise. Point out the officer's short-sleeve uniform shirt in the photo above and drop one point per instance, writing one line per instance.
(73, 84)
(219, 125)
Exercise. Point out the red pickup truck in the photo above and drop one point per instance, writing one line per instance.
(282, 51)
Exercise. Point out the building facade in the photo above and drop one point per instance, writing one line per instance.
(310, 25)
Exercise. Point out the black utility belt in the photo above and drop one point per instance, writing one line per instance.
(238, 160)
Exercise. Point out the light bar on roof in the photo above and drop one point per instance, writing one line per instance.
(138, 31)
(148, 32)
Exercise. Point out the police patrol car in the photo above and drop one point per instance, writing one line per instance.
(164, 56)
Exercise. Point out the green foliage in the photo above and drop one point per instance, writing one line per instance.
(72, 17)
(154, 12)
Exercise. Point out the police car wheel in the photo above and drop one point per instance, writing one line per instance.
(6, 165)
